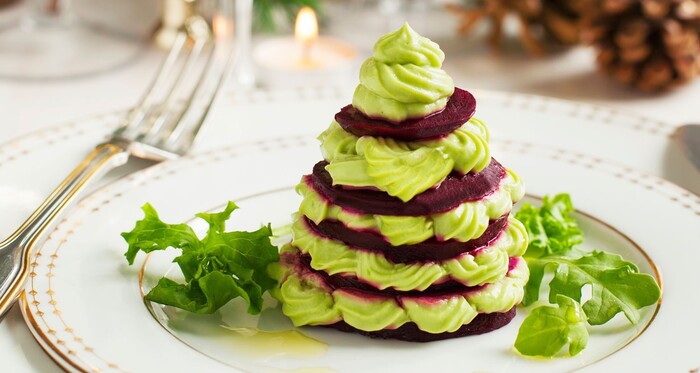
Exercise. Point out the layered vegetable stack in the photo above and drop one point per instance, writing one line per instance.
(404, 230)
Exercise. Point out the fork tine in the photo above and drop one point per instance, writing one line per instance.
(165, 129)
(161, 135)
(185, 131)
(137, 115)
(158, 118)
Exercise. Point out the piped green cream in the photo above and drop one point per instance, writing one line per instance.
(403, 169)
(403, 78)
(485, 266)
(308, 302)
(463, 223)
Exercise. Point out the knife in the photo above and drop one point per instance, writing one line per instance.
(688, 137)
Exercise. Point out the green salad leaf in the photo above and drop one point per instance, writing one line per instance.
(616, 284)
(551, 228)
(547, 329)
(217, 268)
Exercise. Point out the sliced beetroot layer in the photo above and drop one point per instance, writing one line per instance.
(482, 323)
(431, 250)
(460, 108)
(452, 192)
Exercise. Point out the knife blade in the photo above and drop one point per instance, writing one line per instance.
(688, 138)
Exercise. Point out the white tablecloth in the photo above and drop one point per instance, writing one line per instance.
(27, 107)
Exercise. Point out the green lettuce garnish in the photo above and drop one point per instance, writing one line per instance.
(616, 284)
(551, 228)
(217, 268)
(547, 329)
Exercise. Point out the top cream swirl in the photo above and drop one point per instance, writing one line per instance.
(403, 79)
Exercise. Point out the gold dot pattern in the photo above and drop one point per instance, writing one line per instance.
(599, 114)
(40, 312)
(101, 125)
(97, 127)
(73, 345)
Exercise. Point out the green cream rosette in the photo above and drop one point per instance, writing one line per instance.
(403, 79)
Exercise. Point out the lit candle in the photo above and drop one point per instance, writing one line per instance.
(222, 27)
(306, 58)
(306, 32)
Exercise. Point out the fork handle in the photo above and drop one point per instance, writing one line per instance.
(16, 250)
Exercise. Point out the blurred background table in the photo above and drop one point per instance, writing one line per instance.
(571, 74)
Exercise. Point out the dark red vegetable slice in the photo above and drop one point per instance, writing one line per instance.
(452, 192)
(431, 250)
(460, 108)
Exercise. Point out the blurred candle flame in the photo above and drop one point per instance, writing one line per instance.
(306, 26)
(222, 26)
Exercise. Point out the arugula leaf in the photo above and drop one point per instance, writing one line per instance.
(551, 228)
(547, 329)
(537, 270)
(218, 268)
(617, 286)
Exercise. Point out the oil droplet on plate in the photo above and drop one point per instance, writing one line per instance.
(277, 343)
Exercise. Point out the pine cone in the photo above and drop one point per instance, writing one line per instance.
(651, 45)
(540, 21)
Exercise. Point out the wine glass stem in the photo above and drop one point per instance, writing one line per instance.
(244, 72)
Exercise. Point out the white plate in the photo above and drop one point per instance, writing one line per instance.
(605, 185)
(84, 303)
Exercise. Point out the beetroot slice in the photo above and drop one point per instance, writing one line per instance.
(460, 108)
(427, 251)
(482, 323)
(452, 192)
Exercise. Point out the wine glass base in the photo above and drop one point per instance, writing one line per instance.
(52, 50)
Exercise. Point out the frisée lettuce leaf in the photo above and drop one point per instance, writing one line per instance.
(551, 228)
(217, 268)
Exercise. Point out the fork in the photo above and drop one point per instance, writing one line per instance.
(156, 129)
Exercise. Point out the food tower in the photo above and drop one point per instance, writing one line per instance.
(404, 230)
